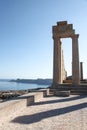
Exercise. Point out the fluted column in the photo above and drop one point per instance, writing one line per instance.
(57, 62)
(75, 60)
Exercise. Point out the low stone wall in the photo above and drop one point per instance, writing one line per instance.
(17, 104)
(46, 92)
(13, 106)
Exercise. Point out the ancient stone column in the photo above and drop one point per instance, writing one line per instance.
(81, 70)
(57, 62)
(75, 60)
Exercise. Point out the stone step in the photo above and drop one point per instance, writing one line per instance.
(80, 89)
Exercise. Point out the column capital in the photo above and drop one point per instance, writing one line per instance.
(57, 38)
(75, 36)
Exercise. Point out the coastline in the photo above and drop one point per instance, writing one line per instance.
(33, 81)
(12, 90)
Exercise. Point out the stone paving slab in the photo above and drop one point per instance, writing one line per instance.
(52, 113)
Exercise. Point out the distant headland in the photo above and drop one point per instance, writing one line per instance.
(33, 81)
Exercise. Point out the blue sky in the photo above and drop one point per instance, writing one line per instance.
(26, 45)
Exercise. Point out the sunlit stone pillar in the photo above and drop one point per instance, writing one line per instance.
(57, 62)
(75, 60)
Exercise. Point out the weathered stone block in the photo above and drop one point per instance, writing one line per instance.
(62, 93)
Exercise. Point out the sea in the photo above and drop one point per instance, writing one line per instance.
(6, 85)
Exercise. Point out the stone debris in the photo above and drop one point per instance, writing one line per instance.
(5, 95)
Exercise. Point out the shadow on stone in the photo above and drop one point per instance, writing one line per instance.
(29, 119)
(64, 99)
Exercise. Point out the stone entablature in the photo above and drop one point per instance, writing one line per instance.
(63, 30)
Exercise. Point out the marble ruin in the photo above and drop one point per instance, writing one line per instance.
(65, 30)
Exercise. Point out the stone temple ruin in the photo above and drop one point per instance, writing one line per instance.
(65, 30)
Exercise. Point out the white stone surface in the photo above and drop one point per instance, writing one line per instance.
(51, 113)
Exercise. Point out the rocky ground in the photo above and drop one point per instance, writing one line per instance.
(6, 95)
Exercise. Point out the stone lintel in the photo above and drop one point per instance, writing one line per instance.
(66, 34)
